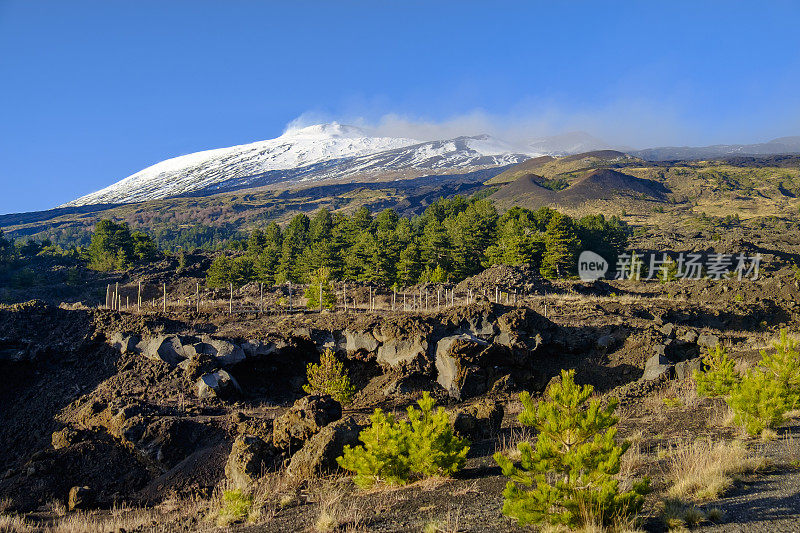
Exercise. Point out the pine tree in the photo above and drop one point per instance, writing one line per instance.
(320, 278)
(394, 451)
(435, 245)
(329, 377)
(219, 273)
(408, 265)
(668, 271)
(767, 392)
(758, 402)
(718, 376)
(383, 457)
(256, 242)
(561, 242)
(575, 462)
(434, 449)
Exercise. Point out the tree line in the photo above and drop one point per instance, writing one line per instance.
(453, 239)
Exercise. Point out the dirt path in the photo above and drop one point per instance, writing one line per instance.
(769, 502)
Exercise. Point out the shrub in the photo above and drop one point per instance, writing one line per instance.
(235, 507)
(329, 377)
(320, 282)
(574, 464)
(434, 450)
(783, 367)
(394, 450)
(718, 376)
(758, 402)
(761, 397)
(384, 455)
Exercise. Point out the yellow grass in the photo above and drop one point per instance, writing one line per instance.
(704, 470)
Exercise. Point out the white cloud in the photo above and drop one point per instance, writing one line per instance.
(632, 123)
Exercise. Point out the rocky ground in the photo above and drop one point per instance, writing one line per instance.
(138, 420)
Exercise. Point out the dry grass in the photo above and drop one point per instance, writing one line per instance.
(271, 493)
(721, 414)
(632, 462)
(447, 525)
(704, 470)
(120, 518)
(508, 444)
(676, 395)
(15, 524)
(335, 513)
(5, 505)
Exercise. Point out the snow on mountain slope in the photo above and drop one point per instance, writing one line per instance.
(197, 171)
(314, 153)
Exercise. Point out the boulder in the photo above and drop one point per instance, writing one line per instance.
(249, 458)
(656, 366)
(453, 355)
(323, 340)
(707, 340)
(124, 343)
(668, 329)
(396, 353)
(166, 348)
(64, 437)
(690, 336)
(196, 366)
(482, 326)
(303, 420)
(216, 384)
(255, 348)
(504, 383)
(479, 420)
(685, 369)
(80, 498)
(226, 353)
(605, 342)
(515, 321)
(318, 455)
(360, 342)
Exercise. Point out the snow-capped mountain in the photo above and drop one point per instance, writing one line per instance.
(314, 153)
(296, 148)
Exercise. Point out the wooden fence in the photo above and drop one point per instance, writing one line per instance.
(289, 298)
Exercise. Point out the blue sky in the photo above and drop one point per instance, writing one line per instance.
(91, 92)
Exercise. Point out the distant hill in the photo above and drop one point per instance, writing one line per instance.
(551, 167)
(782, 145)
(599, 185)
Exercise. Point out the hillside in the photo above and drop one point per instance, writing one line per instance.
(552, 167)
(603, 185)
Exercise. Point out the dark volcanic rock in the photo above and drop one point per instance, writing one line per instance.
(304, 419)
(318, 455)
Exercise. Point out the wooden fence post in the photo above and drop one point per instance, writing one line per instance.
(197, 296)
(165, 297)
(139, 299)
(230, 302)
